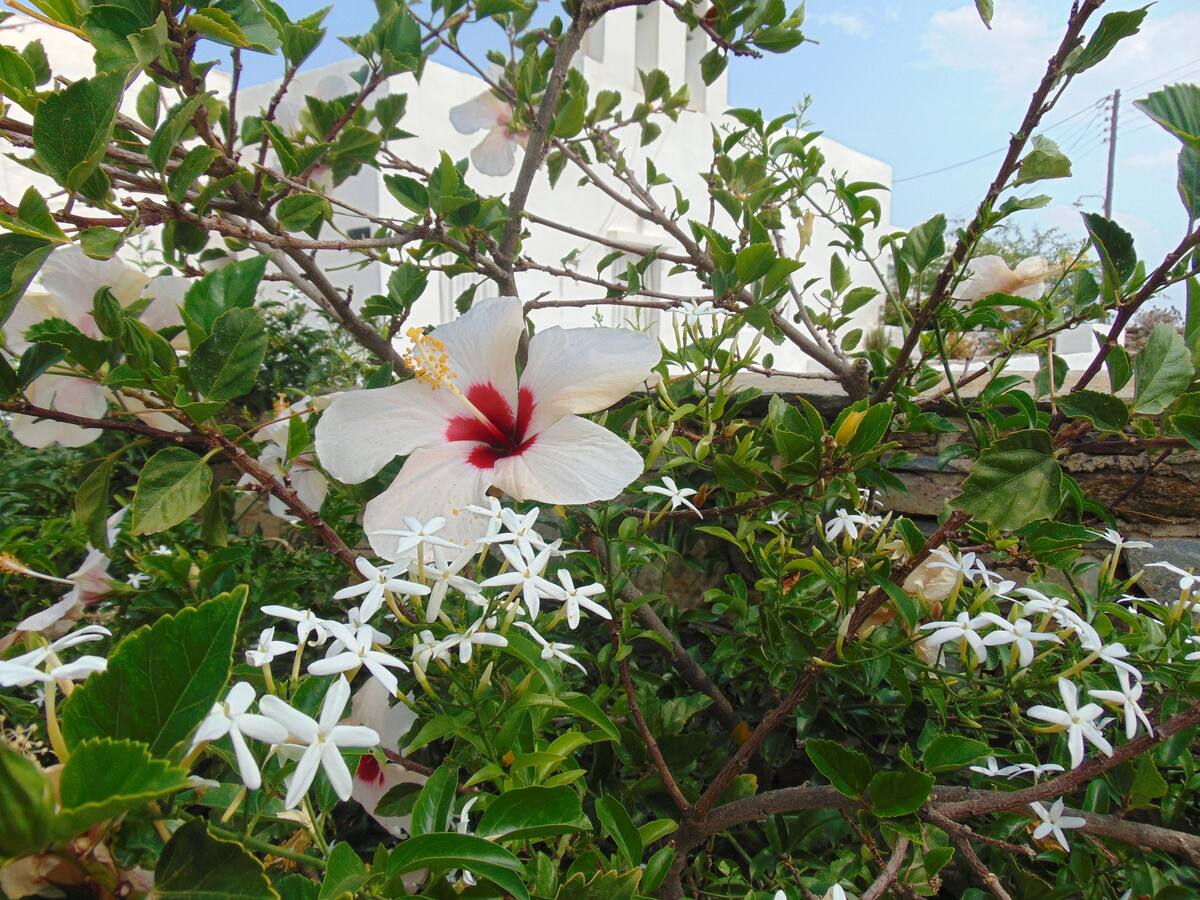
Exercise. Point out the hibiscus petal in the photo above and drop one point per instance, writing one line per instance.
(63, 393)
(584, 370)
(572, 461)
(482, 347)
(496, 154)
(989, 275)
(434, 481)
(73, 278)
(481, 111)
(362, 431)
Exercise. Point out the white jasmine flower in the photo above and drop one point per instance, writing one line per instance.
(1020, 633)
(776, 518)
(1187, 581)
(1054, 822)
(1112, 536)
(991, 275)
(576, 597)
(694, 312)
(443, 575)
(962, 566)
(322, 740)
(162, 550)
(993, 581)
(136, 579)
(526, 574)
(267, 648)
(462, 826)
(551, 650)
(359, 651)
(496, 153)
(1115, 655)
(677, 495)
(1127, 698)
(493, 514)
(1079, 722)
(844, 522)
(374, 585)
(427, 648)
(991, 770)
(230, 717)
(1037, 771)
(468, 422)
(1195, 654)
(520, 532)
(26, 669)
(963, 629)
(417, 535)
(307, 623)
(476, 635)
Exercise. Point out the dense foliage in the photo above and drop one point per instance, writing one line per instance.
(304, 601)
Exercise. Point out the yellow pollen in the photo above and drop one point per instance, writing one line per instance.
(427, 360)
(9, 563)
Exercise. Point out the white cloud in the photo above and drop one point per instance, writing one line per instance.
(1152, 160)
(1012, 56)
(850, 23)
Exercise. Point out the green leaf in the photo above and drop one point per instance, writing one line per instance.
(72, 127)
(986, 9)
(948, 752)
(172, 131)
(1148, 784)
(1106, 411)
(226, 363)
(26, 799)
(585, 707)
(601, 886)
(925, 244)
(1113, 28)
(104, 778)
(194, 865)
(172, 486)
(234, 286)
(299, 212)
(1115, 247)
(91, 502)
(1162, 371)
(217, 25)
(754, 261)
(899, 793)
(1015, 482)
(459, 851)
(345, 873)
(1189, 180)
(712, 65)
(847, 770)
(1177, 109)
(1044, 161)
(190, 168)
(161, 680)
(435, 804)
(617, 824)
(533, 813)
(20, 258)
(1188, 428)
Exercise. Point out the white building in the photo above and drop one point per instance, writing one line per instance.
(610, 60)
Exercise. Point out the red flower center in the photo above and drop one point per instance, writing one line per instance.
(368, 770)
(503, 435)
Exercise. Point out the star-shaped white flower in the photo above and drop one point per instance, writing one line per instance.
(443, 575)
(776, 518)
(1115, 655)
(321, 739)
(493, 514)
(307, 623)
(230, 717)
(694, 312)
(359, 651)
(1020, 633)
(1188, 582)
(27, 668)
(677, 495)
(576, 597)
(992, 770)
(427, 648)
(267, 648)
(1054, 822)
(963, 629)
(526, 574)
(375, 583)
(476, 635)
(1112, 536)
(417, 536)
(1078, 721)
(136, 579)
(519, 531)
(844, 522)
(552, 650)
(1128, 699)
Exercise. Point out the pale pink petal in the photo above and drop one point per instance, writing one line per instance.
(63, 393)
(584, 370)
(484, 111)
(572, 461)
(371, 784)
(33, 307)
(373, 707)
(496, 154)
(434, 481)
(989, 275)
(362, 431)
(73, 278)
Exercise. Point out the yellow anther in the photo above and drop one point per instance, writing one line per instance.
(427, 359)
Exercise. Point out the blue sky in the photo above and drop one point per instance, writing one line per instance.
(926, 86)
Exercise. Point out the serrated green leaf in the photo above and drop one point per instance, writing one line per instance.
(899, 793)
(194, 865)
(847, 770)
(225, 365)
(1015, 482)
(1162, 371)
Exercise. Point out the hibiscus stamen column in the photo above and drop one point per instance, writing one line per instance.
(429, 362)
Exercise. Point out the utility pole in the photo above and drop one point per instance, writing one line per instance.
(1112, 153)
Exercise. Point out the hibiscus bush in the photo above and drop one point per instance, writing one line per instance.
(308, 599)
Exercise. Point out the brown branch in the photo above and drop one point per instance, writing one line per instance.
(1039, 104)
(890, 872)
